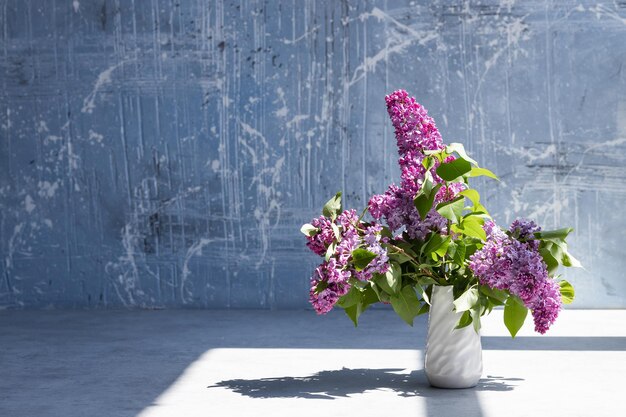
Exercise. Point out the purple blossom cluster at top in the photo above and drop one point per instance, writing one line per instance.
(514, 263)
(415, 133)
(330, 279)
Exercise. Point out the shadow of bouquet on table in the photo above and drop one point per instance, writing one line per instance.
(345, 382)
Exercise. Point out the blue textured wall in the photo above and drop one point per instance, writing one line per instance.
(164, 153)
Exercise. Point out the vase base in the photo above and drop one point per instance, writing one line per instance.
(452, 382)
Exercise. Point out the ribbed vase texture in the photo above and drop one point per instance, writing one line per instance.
(453, 357)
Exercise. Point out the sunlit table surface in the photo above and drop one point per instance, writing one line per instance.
(293, 363)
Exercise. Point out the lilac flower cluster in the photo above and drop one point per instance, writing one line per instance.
(330, 279)
(514, 263)
(415, 133)
(380, 264)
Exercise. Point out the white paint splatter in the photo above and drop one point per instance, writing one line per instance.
(47, 189)
(227, 101)
(52, 139)
(397, 44)
(301, 37)
(284, 110)
(104, 78)
(254, 133)
(11, 245)
(194, 250)
(42, 127)
(8, 124)
(29, 204)
(95, 137)
(296, 119)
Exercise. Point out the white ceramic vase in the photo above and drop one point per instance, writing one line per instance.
(453, 357)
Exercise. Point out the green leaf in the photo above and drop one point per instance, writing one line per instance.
(424, 201)
(389, 282)
(567, 292)
(381, 282)
(550, 261)
(351, 298)
(437, 153)
(426, 196)
(393, 277)
(460, 149)
(425, 308)
(386, 232)
(497, 297)
(472, 226)
(472, 195)
(554, 253)
(482, 172)
(456, 251)
(354, 312)
(361, 258)
(465, 320)
(428, 162)
(475, 313)
(332, 208)
(470, 249)
(452, 170)
(427, 184)
(356, 301)
(423, 204)
(441, 250)
(569, 260)
(554, 234)
(452, 210)
(399, 257)
(566, 259)
(330, 251)
(467, 300)
(380, 293)
(336, 231)
(435, 241)
(321, 286)
(514, 315)
(424, 281)
(422, 292)
(406, 304)
(308, 229)
(369, 296)
(405, 246)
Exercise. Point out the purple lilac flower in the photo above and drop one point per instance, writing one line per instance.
(524, 229)
(414, 129)
(380, 264)
(449, 192)
(336, 285)
(330, 280)
(415, 133)
(506, 263)
(490, 264)
(547, 306)
(319, 242)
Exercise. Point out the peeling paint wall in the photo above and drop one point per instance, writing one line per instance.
(164, 153)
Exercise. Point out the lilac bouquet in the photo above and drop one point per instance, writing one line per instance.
(433, 230)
